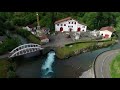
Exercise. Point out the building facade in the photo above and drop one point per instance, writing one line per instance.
(106, 32)
(69, 25)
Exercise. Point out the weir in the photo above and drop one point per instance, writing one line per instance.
(46, 69)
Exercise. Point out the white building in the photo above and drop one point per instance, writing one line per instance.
(106, 32)
(69, 24)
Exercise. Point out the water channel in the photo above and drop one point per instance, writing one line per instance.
(49, 66)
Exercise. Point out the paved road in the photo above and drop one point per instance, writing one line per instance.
(102, 63)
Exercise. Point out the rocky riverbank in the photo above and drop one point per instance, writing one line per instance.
(88, 74)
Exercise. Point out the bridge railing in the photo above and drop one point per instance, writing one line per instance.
(24, 46)
(25, 51)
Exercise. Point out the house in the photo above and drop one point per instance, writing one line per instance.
(27, 28)
(30, 28)
(44, 39)
(69, 25)
(106, 32)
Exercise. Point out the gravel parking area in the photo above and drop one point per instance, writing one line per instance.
(59, 39)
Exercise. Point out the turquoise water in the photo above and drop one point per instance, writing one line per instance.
(46, 69)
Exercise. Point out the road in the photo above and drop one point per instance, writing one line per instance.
(102, 68)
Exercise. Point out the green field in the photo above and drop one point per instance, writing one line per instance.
(66, 51)
(115, 67)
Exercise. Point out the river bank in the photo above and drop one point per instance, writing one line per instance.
(88, 74)
(78, 48)
(72, 67)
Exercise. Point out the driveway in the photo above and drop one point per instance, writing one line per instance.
(59, 39)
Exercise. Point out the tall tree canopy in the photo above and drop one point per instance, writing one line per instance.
(94, 20)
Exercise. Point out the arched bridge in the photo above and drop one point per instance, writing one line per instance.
(24, 49)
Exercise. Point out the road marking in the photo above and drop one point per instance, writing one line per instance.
(104, 61)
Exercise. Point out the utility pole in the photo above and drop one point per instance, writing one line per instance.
(38, 24)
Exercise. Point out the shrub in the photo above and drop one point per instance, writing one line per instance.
(11, 74)
(23, 32)
(8, 45)
(32, 38)
(4, 65)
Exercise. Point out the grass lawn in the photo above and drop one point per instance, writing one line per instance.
(33, 39)
(68, 51)
(115, 67)
(4, 65)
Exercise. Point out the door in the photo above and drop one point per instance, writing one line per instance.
(70, 29)
(106, 36)
(61, 29)
(78, 29)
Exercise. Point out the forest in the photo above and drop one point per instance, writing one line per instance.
(94, 20)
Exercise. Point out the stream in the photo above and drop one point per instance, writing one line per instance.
(49, 66)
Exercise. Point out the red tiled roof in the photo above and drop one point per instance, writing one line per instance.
(68, 18)
(43, 37)
(30, 26)
(109, 28)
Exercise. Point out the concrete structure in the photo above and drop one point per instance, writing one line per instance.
(95, 33)
(69, 25)
(24, 49)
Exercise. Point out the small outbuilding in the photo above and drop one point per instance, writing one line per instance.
(106, 32)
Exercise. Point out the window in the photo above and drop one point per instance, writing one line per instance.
(57, 24)
(75, 22)
(82, 30)
(69, 22)
(64, 24)
(83, 26)
(72, 22)
(102, 34)
(61, 24)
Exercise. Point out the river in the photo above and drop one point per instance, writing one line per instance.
(49, 66)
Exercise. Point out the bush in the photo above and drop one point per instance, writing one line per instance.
(23, 32)
(32, 38)
(8, 45)
(11, 74)
(4, 67)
